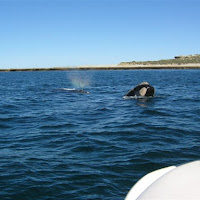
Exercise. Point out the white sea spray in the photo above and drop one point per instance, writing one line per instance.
(79, 80)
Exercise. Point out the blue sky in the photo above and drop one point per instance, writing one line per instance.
(60, 33)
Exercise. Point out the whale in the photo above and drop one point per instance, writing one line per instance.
(73, 90)
(143, 89)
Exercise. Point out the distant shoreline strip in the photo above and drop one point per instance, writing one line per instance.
(109, 67)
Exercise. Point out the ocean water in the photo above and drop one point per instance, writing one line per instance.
(59, 144)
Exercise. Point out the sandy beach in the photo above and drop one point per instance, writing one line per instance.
(110, 67)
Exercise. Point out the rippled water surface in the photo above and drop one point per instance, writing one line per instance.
(59, 144)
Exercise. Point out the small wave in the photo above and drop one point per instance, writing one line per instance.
(9, 106)
(7, 119)
(67, 125)
(4, 126)
(156, 113)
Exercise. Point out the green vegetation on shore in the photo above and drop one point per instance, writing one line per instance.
(178, 60)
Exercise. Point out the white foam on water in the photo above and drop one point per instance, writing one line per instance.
(135, 97)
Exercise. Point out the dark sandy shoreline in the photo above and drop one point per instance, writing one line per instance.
(108, 67)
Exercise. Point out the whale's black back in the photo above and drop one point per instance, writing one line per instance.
(150, 91)
(135, 91)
